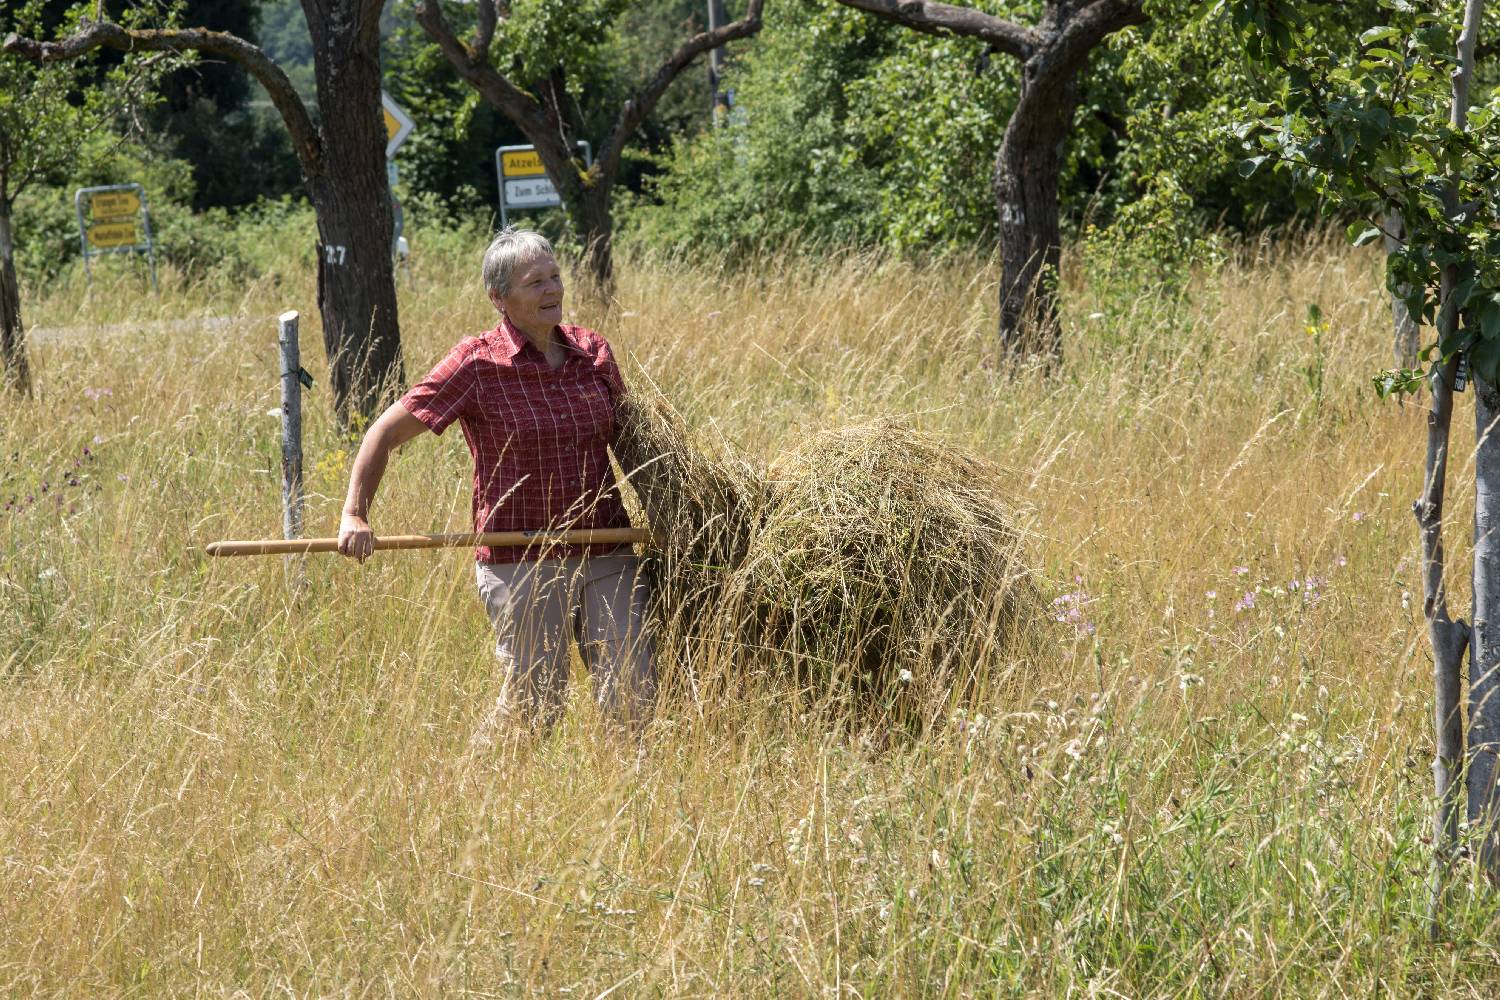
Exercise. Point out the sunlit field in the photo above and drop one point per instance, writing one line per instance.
(1207, 776)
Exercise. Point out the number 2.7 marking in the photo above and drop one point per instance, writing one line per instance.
(334, 254)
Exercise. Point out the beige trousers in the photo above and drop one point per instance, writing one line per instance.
(538, 605)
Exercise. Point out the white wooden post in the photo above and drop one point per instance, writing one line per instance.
(291, 440)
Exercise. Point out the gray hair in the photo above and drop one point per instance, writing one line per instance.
(511, 248)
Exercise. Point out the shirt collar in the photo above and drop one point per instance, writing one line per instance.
(510, 342)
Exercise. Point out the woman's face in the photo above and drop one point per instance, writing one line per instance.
(534, 302)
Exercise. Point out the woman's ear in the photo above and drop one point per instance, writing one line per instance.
(496, 301)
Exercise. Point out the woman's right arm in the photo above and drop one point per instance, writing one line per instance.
(391, 430)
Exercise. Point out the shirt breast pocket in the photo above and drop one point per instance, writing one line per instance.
(595, 411)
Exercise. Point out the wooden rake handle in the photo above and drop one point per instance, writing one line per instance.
(494, 539)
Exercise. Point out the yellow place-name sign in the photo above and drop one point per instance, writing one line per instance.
(114, 204)
(521, 164)
(112, 234)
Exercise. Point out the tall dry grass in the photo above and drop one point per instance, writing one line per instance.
(1209, 778)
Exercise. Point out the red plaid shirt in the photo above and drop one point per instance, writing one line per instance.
(538, 436)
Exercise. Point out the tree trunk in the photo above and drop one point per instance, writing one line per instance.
(1449, 639)
(1484, 656)
(716, 16)
(1484, 660)
(17, 374)
(1407, 340)
(594, 223)
(356, 279)
(1027, 170)
(585, 198)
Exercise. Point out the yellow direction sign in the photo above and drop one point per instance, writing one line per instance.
(398, 124)
(522, 163)
(114, 204)
(105, 235)
(114, 218)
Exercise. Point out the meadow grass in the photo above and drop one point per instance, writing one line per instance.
(1208, 777)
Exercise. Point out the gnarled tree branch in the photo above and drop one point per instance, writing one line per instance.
(484, 28)
(1067, 50)
(106, 34)
(550, 120)
(473, 66)
(946, 19)
(640, 105)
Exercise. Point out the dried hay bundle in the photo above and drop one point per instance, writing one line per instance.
(701, 507)
(885, 549)
(871, 550)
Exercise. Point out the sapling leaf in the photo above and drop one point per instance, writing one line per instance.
(1484, 359)
(1378, 33)
(1489, 319)
(1464, 291)
(1415, 301)
(1458, 340)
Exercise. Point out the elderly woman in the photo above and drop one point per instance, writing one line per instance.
(536, 399)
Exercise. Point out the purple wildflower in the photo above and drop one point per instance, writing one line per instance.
(1069, 609)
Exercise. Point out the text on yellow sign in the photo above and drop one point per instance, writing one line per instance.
(112, 234)
(526, 164)
(114, 204)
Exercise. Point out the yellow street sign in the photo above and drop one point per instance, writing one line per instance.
(398, 124)
(114, 204)
(112, 234)
(521, 164)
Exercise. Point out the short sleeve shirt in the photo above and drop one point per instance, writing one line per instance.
(539, 436)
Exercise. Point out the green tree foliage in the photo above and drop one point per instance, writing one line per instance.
(209, 112)
(284, 35)
(786, 165)
(1162, 94)
(1396, 128)
(52, 120)
(213, 116)
(928, 117)
(451, 155)
(850, 130)
(1370, 133)
(535, 60)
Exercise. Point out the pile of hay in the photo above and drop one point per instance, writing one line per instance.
(884, 549)
(865, 555)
